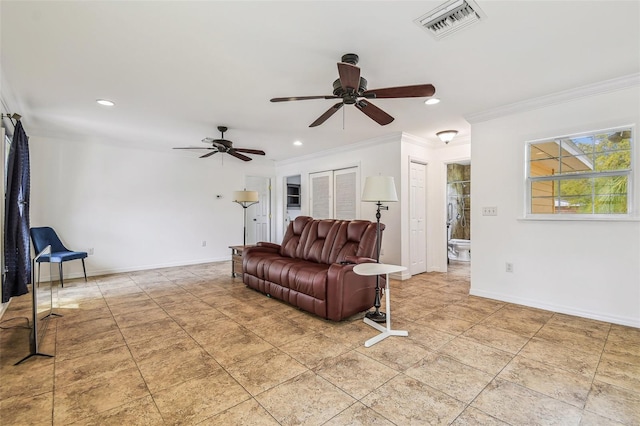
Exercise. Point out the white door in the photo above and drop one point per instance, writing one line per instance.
(259, 215)
(417, 207)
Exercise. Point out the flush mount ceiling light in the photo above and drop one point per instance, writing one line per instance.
(297, 143)
(432, 101)
(446, 135)
(105, 102)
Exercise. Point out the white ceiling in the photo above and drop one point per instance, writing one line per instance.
(177, 70)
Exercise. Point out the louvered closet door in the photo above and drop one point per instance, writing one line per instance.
(335, 194)
(345, 184)
(321, 202)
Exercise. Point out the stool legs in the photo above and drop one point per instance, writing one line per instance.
(84, 270)
(60, 269)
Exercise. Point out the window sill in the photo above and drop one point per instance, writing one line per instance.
(579, 218)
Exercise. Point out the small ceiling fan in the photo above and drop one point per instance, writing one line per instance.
(225, 146)
(352, 89)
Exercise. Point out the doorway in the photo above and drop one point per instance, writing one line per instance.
(458, 215)
(293, 200)
(259, 215)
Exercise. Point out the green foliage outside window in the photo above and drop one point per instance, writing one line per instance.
(589, 174)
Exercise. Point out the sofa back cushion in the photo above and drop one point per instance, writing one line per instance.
(329, 240)
(355, 238)
(320, 239)
(291, 243)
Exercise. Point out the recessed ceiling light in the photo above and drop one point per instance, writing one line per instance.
(105, 102)
(297, 143)
(432, 101)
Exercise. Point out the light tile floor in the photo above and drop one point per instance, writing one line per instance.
(191, 345)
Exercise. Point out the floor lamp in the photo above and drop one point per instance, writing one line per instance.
(379, 189)
(245, 199)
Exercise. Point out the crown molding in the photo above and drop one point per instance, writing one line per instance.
(416, 140)
(341, 149)
(614, 84)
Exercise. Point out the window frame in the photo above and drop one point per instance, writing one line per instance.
(630, 173)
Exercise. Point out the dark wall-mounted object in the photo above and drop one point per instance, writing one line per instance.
(293, 195)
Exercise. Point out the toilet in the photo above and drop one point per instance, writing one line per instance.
(460, 249)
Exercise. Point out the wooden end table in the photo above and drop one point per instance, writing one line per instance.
(236, 259)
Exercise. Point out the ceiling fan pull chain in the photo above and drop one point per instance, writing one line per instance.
(343, 117)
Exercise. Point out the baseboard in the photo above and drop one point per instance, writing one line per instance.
(599, 316)
(3, 308)
(107, 271)
(404, 275)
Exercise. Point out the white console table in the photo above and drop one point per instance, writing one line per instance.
(379, 269)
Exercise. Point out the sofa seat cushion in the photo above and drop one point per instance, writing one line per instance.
(298, 275)
(255, 265)
(308, 278)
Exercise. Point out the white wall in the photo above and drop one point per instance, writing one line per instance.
(137, 209)
(389, 156)
(141, 209)
(585, 268)
(375, 157)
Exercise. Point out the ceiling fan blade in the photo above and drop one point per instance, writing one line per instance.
(373, 112)
(302, 98)
(416, 91)
(349, 76)
(326, 115)
(194, 147)
(238, 155)
(250, 151)
(208, 154)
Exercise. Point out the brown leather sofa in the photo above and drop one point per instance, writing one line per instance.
(312, 268)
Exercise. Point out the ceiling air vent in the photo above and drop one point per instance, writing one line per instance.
(450, 17)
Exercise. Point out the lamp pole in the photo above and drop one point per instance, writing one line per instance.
(246, 199)
(378, 316)
(379, 189)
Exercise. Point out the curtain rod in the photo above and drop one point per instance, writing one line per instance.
(11, 117)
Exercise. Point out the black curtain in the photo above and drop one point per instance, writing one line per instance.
(17, 251)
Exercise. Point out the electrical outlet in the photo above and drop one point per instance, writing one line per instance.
(90, 251)
(204, 243)
(489, 211)
(508, 267)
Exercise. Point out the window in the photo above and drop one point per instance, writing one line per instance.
(585, 174)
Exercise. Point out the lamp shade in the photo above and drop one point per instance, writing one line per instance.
(379, 188)
(245, 196)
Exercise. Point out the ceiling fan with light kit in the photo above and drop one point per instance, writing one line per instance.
(225, 146)
(351, 88)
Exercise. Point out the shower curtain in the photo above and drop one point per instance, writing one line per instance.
(17, 251)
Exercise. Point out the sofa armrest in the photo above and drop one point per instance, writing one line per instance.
(349, 292)
(357, 260)
(263, 247)
(268, 245)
